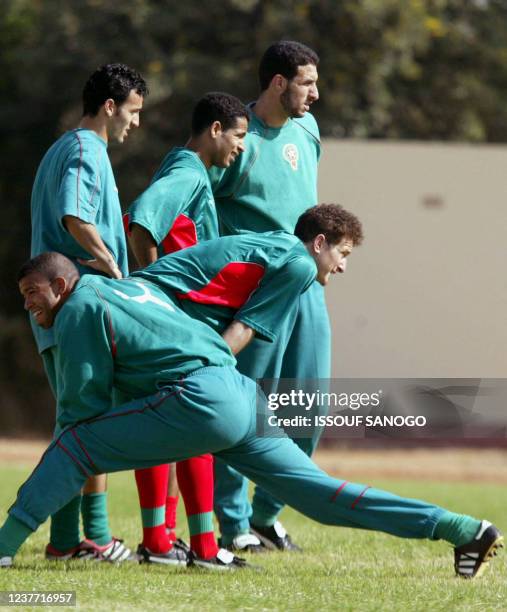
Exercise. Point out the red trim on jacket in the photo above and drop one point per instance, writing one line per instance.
(232, 286)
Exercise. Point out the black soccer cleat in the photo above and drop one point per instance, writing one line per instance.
(471, 559)
(275, 537)
(224, 561)
(175, 556)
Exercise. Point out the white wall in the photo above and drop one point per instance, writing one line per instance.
(426, 293)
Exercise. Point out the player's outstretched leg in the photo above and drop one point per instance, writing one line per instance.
(279, 466)
(56, 480)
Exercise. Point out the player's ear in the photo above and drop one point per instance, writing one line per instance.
(318, 243)
(109, 107)
(60, 285)
(215, 129)
(279, 83)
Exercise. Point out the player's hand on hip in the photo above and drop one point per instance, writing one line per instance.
(106, 264)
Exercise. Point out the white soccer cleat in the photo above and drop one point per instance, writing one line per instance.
(114, 552)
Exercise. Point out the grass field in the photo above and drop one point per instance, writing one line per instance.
(340, 570)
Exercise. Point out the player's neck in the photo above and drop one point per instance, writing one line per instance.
(195, 144)
(269, 110)
(95, 124)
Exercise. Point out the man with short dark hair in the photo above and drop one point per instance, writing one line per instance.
(76, 211)
(187, 398)
(266, 189)
(177, 211)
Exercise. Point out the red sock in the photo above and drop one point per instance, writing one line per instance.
(152, 490)
(171, 504)
(195, 479)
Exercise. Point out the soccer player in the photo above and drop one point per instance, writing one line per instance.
(76, 211)
(186, 399)
(267, 188)
(177, 211)
(245, 286)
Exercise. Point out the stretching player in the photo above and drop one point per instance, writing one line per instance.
(247, 285)
(176, 211)
(266, 189)
(187, 399)
(76, 211)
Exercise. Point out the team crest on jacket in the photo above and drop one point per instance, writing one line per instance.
(291, 155)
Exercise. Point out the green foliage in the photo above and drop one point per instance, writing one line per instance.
(341, 569)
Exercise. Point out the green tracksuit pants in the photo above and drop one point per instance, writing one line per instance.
(212, 410)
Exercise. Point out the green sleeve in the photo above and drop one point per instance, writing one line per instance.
(157, 208)
(276, 296)
(80, 190)
(84, 363)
